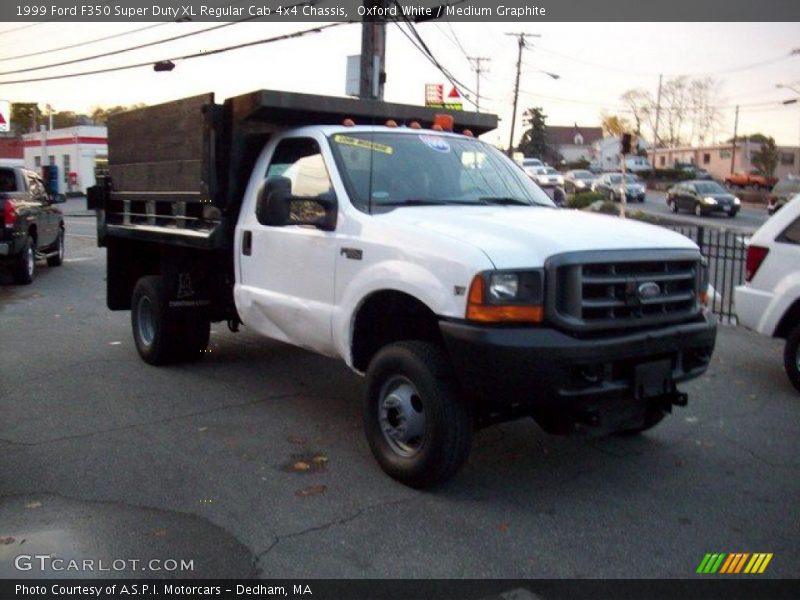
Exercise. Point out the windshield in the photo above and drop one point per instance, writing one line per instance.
(710, 188)
(582, 175)
(551, 171)
(412, 169)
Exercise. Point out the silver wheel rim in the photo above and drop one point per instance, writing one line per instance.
(698, 211)
(401, 416)
(797, 359)
(61, 246)
(144, 321)
(29, 262)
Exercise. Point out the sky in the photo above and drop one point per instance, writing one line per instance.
(595, 62)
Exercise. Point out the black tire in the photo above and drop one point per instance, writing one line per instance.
(641, 200)
(57, 259)
(673, 206)
(420, 371)
(24, 266)
(732, 214)
(791, 357)
(163, 336)
(651, 419)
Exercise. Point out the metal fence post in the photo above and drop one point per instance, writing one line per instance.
(701, 235)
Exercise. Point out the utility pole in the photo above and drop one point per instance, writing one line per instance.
(373, 52)
(658, 114)
(735, 132)
(477, 60)
(521, 42)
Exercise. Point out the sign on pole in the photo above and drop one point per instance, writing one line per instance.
(5, 115)
(434, 97)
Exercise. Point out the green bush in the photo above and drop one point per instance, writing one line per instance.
(583, 199)
(608, 208)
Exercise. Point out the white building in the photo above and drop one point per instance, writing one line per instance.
(74, 150)
(605, 154)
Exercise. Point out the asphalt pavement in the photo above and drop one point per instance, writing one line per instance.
(253, 462)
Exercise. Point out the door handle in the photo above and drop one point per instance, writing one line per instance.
(247, 243)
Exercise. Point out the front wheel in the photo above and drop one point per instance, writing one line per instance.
(25, 263)
(698, 211)
(673, 206)
(56, 259)
(791, 357)
(417, 424)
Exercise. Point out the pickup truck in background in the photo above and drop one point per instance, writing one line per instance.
(422, 257)
(32, 226)
(755, 180)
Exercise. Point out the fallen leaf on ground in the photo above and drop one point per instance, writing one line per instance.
(297, 439)
(159, 532)
(320, 459)
(201, 429)
(5, 541)
(314, 490)
(504, 526)
(34, 504)
(301, 465)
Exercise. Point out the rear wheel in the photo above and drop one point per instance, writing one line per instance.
(416, 423)
(163, 336)
(56, 259)
(25, 263)
(791, 357)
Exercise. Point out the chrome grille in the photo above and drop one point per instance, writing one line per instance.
(594, 291)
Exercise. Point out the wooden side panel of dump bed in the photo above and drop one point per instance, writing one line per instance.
(162, 168)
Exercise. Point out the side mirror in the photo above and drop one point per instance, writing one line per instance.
(276, 207)
(57, 198)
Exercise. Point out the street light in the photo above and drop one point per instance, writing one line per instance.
(791, 87)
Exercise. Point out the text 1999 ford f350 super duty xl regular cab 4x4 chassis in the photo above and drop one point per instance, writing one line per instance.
(423, 258)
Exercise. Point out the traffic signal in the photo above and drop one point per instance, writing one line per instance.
(625, 148)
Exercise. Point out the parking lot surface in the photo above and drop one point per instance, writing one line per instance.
(253, 462)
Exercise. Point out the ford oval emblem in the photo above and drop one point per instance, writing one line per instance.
(649, 290)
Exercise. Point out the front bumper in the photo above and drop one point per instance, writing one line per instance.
(563, 380)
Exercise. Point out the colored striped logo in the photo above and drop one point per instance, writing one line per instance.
(738, 562)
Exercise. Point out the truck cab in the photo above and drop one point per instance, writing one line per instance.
(423, 258)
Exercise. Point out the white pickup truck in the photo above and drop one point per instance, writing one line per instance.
(423, 258)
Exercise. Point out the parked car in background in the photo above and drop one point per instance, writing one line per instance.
(751, 179)
(782, 192)
(692, 171)
(547, 177)
(529, 165)
(578, 180)
(32, 226)
(769, 300)
(637, 164)
(702, 198)
(611, 185)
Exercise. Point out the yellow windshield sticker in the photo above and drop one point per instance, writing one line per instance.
(359, 143)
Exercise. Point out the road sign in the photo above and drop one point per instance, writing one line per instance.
(5, 115)
(454, 93)
(434, 94)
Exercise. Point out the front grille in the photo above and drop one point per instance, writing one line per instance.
(602, 291)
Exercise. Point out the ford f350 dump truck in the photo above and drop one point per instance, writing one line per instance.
(423, 258)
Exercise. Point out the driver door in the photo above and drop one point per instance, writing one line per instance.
(287, 272)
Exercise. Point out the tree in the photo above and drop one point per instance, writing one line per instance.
(614, 125)
(534, 138)
(641, 105)
(24, 117)
(758, 138)
(765, 159)
(100, 115)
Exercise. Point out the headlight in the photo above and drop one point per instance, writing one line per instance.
(709, 200)
(736, 200)
(580, 184)
(507, 296)
(503, 286)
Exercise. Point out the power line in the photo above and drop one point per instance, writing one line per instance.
(133, 48)
(277, 38)
(85, 43)
(477, 60)
(29, 25)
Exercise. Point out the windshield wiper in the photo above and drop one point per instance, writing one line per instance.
(503, 200)
(421, 202)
